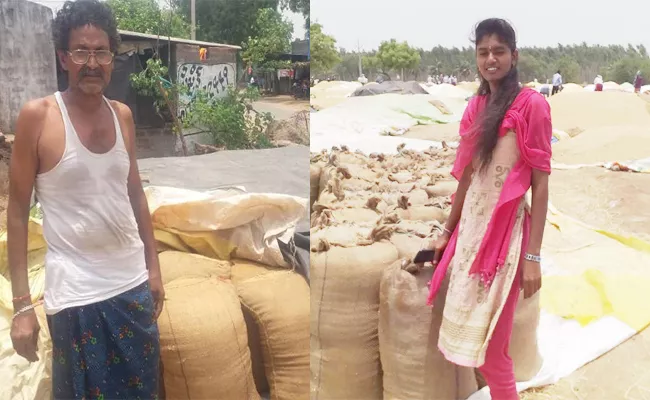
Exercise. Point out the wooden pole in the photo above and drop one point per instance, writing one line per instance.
(177, 122)
(193, 13)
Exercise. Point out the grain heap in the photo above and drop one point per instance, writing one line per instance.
(370, 215)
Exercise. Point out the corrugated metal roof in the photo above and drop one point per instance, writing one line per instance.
(177, 40)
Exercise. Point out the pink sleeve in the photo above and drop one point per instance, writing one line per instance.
(535, 131)
(466, 145)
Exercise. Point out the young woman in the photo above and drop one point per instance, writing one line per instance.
(490, 248)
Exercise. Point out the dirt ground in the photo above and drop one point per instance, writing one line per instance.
(615, 201)
(623, 373)
(282, 107)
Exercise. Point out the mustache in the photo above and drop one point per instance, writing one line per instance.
(87, 72)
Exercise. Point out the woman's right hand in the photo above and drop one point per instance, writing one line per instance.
(438, 245)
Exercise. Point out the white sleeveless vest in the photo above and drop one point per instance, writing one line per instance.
(94, 248)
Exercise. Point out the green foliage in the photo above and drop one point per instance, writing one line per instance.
(298, 6)
(146, 82)
(230, 120)
(398, 56)
(569, 68)
(146, 16)
(273, 65)
(271, 34)
(324, 55)
(225, 21)
(625, 70)
(534, 62)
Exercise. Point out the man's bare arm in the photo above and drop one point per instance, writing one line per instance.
(22, 174)
(136, 194)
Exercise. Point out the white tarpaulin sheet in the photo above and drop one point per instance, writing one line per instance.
(386, 114)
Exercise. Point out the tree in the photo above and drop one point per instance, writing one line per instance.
(569, 68)
(146, 16)
(535, 62)
(225, 21)
(529, 68)
(271, 34)
(396, 56)
(371, 65)
(625, 69)
(297, 6)
(323, 50)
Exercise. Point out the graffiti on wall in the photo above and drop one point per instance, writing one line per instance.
(213, 79)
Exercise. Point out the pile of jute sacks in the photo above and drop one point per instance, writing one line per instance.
(372, 334)
(233, 329)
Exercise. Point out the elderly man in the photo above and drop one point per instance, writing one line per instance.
(103, 290)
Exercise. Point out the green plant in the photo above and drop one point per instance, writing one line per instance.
(231, 120)
(147, 82)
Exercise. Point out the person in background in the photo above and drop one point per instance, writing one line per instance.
(261, 82)
(545, 90)
(598, 83)
(103, 288)
(453, 80)
(490, 247)
(362, 79)
(557, 83)
(445, 79)
(638, 82)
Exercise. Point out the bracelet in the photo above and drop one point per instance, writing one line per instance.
(25, 297)
(448, 231)
(531, 257)
(27, 308)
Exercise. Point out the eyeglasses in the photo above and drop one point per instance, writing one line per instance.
(103, 57)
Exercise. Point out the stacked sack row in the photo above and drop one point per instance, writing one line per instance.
(233, 329)
(372, 334)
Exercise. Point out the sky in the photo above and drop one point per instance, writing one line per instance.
(429, 23)
(296, 19)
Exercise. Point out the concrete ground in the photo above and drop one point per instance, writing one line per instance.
(283, 170)
(282, 107)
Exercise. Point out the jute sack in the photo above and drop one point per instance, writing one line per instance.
(243, 270)
(524, 349)
(203, 342)
(344, 314)
(407, 244)
(424, 213)
(279, 303)
(442, 188)
(177, 264)
(413, 366)
(314, 183)
(356, 215)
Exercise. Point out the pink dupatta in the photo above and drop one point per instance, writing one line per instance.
(530, 118)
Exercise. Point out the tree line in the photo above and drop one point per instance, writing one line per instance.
(578, 63)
